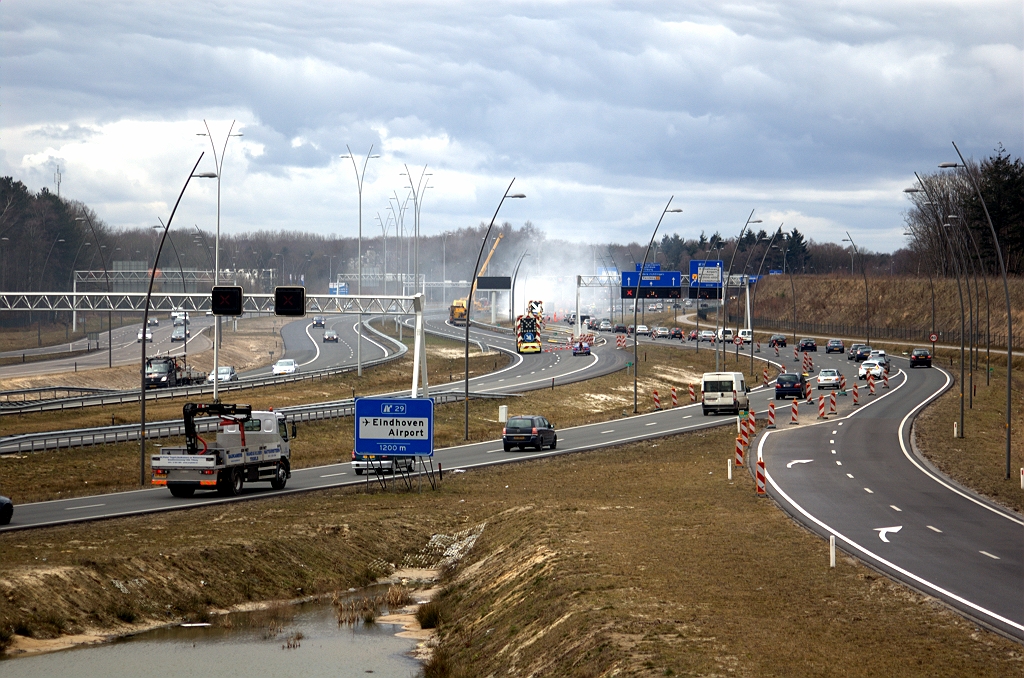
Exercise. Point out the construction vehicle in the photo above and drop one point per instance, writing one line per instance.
(457, 312)
(528, 328)
(250, 447)
(169, 372)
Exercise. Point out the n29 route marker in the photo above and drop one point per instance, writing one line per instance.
(395, 426)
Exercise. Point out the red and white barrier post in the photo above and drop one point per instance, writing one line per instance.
(842, 384)
(675, 398)
(744, 433)
(832, 403)
(759, 475)
(885, 380)
(657, 401)
(739, 452)
(758, 349)
(752, 424)
(776, 351)
(693, 395)
(871, 384)
(821, 407)
(764, 375)
(796, 354)
(771, 414)
(856, 395)
(795, 417)
(810, 395)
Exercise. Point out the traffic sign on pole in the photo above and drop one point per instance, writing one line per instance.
(933, 337)
(395, 426)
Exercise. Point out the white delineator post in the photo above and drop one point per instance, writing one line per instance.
(419, 353)
(832, 551)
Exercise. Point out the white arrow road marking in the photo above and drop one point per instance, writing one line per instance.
(882, 531)
(798, 461)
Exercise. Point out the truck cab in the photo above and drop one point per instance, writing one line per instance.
(250, 446)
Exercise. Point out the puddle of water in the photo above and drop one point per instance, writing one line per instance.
(325, 649)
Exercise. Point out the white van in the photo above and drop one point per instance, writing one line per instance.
(747, 336)
(725, 335)
(723, 392)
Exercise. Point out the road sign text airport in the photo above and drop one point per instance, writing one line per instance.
(395, 426)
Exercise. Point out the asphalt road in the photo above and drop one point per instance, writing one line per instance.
(858, 478)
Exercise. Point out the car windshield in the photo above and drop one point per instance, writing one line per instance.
(159, 367)
(285, 363)
(224, 370)
(520, 422)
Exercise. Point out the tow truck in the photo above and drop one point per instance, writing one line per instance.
(250, 447)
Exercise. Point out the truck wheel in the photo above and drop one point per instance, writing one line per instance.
(359, 471)
(280, 478)
(231, 483)
(182, 491)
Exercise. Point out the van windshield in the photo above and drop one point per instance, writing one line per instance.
(718, 386)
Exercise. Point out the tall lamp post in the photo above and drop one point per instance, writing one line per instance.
(636, 295)
(145, 323)
(512, 296)
(218, 162)
(106, 275)
(864, 270)
(725, 285)
(1006, 292)
(418, 188)
(472, 289)
(359, 251)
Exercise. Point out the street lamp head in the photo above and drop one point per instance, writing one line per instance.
(911, 190)
(374, 156)
(674, 210)
(949, 165)
(205, 175)
(754, 221)
(517, 195)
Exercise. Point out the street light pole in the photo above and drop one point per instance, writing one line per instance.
(725, 286)
(359, 251)
(864, 270)
(512, 295)
(219, 164)
(417, 188)
(636, 295)
(472, 289)
(106, 275)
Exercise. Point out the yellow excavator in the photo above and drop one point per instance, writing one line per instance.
(457, 311)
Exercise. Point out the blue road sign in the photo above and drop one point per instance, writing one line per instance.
(706, 273)
(649, 266)
(652, 279)
(395, 426)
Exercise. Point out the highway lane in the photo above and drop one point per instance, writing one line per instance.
(859, 479)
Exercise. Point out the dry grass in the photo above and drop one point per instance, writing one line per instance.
(639, 560)
(45, 333)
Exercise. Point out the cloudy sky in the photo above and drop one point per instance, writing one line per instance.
(811, 113)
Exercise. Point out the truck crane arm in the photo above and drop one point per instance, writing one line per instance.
(483, 268)
(237, 413)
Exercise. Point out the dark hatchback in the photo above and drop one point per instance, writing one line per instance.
(835, 346)
(619, 329)
(777, 340)
(808, 345)
(853, 351)
(790, 385)
(675, 333)
(528, 431)
(920, 357)
(319, 321)
(862, 353)
(6, 510)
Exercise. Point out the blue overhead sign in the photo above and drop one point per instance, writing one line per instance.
(706, 273)
(652, 278)
(395, 426)
(648, 267)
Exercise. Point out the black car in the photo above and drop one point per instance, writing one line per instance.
(790, 385)
(863, 353)
(528, 431)
(619, 329)
(6, 510)
(835, 345)
(920, 357)
(808, 345)
(319, 321)
(675, 333)
(778, 340)
(330, 335)
(853, 351)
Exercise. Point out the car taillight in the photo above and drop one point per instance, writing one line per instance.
(534, 430)
(778, 385)
(353, 455)
(502, 430)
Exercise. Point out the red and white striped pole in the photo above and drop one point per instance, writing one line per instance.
(764, 375)
(885, 380)
(758, 349)
(810, 396)
(776, 350)
(744, 434)
(821, 407)
(657, 401)
(759, 475)
(795, 418)
(856, 395)
(832, 403)
(871, 384)
(739, 452)
(795, 354)
(752, 423)
(675, 398)
(771, 415)
(842, 384)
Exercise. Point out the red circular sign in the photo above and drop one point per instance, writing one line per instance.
(933, 337)
(738, 341)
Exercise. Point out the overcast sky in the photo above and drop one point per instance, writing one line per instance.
(811, 113)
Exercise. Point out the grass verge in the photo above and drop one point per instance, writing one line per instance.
(637, 560)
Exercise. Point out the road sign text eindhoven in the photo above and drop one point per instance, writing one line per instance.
(395, 426)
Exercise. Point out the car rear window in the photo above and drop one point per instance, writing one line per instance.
(920, 351)
(788, 379)
(520, 422)
(712, 386)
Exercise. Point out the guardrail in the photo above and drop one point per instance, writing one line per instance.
(132, 396)
(8, 396)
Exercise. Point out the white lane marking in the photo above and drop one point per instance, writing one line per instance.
(834, 432)
(833, 451)
(849, 475)
(331, 475)
(869, 490)
(79, 508)
(315, 345)
(798, 461)
(838, 463)
(832, 442)
(651, 423)
(894, 507)
(839, 424)
(608, 431)
(986, 553)
(882, 531)
(687, 416)
(934, 529)
(493, 451)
